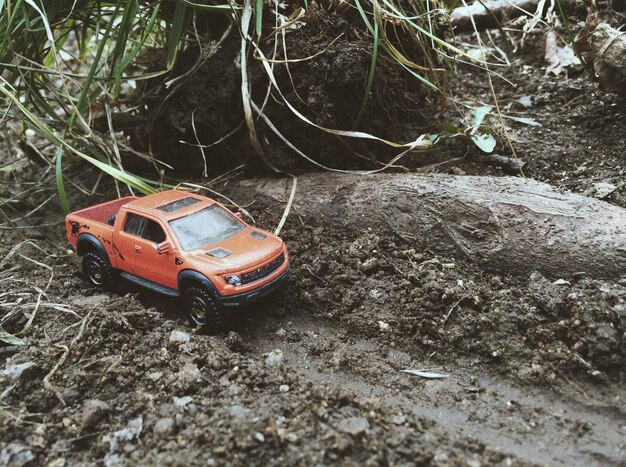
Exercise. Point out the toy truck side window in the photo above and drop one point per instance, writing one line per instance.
(153, 232)
(145, 228)
(134, 224)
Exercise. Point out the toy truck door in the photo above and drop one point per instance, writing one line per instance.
(147, 262)
(124, 241)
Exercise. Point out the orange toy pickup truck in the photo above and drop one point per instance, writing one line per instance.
(179, 244)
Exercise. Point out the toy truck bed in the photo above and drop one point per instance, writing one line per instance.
(96, 220)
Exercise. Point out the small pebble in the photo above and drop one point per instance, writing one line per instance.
(275, 358)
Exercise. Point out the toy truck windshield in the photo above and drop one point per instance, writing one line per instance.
(205, 227)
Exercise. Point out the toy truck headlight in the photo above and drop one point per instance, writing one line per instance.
(234, 279)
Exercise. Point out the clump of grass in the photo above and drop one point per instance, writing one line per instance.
(63, 63)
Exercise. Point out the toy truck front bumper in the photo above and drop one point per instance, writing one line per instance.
(256, 294)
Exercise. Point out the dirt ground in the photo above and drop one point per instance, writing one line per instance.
(534, 366)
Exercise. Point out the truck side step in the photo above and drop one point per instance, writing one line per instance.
(150, 285)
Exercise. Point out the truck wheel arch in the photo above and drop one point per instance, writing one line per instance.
(190, 277)
(87, 242)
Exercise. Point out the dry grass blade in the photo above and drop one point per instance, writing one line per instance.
(246, 97)
(322, 166)
(292, 195)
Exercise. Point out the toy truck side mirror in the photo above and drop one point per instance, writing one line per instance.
(164, 248)
(239, 215)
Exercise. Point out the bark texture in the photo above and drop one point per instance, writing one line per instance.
(504, 224)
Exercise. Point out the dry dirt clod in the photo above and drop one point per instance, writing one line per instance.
(235, 342)
(187, 375)
(94, 411)
(121, 438)
(164, 427)
(370, 265)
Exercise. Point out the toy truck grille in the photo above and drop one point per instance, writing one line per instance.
(263, 271)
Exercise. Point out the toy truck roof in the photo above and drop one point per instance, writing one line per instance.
(171, 204)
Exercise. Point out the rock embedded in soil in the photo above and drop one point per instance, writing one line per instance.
(16, 455)
(353, 426)
(274, 358)
(17, 371)
(181, 402)
(179, 337)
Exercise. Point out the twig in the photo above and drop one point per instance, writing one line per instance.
(41, 293)
(452, 308)
(308, 268)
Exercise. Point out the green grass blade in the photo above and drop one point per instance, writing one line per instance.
(59, 179)
(81, 104)
(179, 24)
(370, 78)
(146, 34)
(9, 338)
(42, 129)
(386, 49)
(258, 17)
(121, 39)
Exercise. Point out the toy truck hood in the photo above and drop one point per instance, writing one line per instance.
(246, 249)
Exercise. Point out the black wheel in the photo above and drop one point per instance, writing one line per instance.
(98, 272)
(202, 308)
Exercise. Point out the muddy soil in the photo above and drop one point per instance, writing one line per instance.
(534, 368)
(313, 375)
(327, 88)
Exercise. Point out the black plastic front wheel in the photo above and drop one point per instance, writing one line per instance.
(202, 309)
(98, 272)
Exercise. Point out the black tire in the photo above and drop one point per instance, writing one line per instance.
(202, 308)
(98, 272)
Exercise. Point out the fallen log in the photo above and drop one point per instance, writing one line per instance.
(489, 13)
(504, 224)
